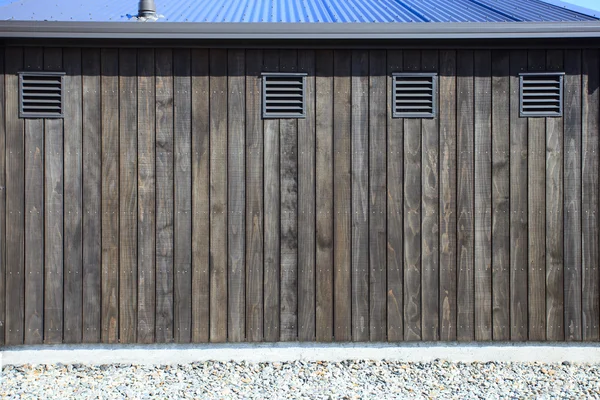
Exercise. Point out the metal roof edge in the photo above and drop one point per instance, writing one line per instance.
(312, 31)
(572, 7)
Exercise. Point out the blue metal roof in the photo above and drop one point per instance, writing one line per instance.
(289, 11)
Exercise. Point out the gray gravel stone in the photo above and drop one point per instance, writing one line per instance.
(299, 379)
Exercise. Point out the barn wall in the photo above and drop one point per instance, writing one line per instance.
(163, 208)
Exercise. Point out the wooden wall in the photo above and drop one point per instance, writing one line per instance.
(163, 208)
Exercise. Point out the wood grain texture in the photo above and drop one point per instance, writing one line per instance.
(34, 215)
(554, 215)
(110, 195)
(236, 196)
(73, 206)
(377, 196)
(483, 195)
(342, 202)
(430, 216)
(448, 157)
(360, 195)
(218, 196)
(182, 202)
(465, 283)
(164, 320)
(309, 306)
(518, 203)
(3, 209)
(200, 196)
(146, 181)
(254, 198)
(395, 209)
(500, 195)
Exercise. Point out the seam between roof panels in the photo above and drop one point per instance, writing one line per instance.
(496, 11)
(413, 11)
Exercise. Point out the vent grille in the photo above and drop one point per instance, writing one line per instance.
(541, 94)
(284, 95)
(414, 95)
(41, 94)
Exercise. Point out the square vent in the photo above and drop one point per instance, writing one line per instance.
(41, 94)
(414, 95)
(541, 94)
(283, 95)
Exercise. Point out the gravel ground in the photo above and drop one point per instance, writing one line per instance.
(318, 380)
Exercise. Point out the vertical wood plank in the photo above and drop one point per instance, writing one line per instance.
(589, 195)
(448, 195)
(395, 208)
(34, 215)
(518, 203)
(342, 186)
(3, 209)
(554, 215)
(236, 195)
(218, 196)
(289, 214)
(377, 195)
(500, 195)
(254, 198)
(430, 215)
(164, 196)
(412, 215)
(73, 207)
(272, 216)
(360, 195)
(200, 196)
(110, 195)
(15, 203)
(54, 213)
(182, 211)
(465, 197)
(483, 195)
(146, 181)
(536, 186)
(308, 316)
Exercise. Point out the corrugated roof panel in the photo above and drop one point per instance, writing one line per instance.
(365, 11)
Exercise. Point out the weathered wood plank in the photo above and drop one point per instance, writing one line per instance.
(15, 202)
(73, 206)
(288, 60)
(254, 198)
(412, 215)
(34, 215)
(500, 195)
(110, 195)
(182, 206)
(536, 186)
(200, 196)
(308, 317)
(146, 180)
(554, 215)
(465, 197)
(164, 196)
(272, 216)
(518, 203)
(377, 195)
(395, 209)
(3, 267)
(447, 194)
(342, 218)
(360, 195)
(483, 195)
(218, 195)
(589, 195)
(430, 216)
(92, 195)
(236, 196)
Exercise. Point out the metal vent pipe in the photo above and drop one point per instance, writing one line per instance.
(146, 8)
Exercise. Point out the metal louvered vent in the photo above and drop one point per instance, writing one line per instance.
(414, 95)
(541, 94)
(283, 95)
(41, 94)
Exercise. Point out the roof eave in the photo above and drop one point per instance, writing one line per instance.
(311, 31)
